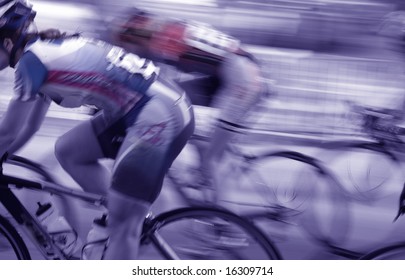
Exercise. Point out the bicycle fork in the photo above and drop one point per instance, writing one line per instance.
(150, 233)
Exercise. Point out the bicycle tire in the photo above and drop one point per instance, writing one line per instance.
(379, 166)
(296, 196)
(274, 208)
(12, 246)
(366, 172)
(187, 225)
(392, 252)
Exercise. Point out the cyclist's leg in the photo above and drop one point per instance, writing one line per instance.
(152, 143)
(78, 151)
(241, 88)
(136, 182)
(125, 219)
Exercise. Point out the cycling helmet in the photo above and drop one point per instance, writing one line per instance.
(15, 17)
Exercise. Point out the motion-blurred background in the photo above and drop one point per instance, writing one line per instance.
(318, 54)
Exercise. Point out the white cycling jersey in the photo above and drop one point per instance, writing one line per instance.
(78, 71)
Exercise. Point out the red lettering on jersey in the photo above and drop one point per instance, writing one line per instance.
(169, 41)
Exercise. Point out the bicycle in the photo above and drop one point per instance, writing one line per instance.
(183, 233)
(263, 196)
(324, 190)
(380, 136)
(394, 251)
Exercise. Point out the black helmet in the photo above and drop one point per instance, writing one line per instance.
(15, 17)
(15, 14)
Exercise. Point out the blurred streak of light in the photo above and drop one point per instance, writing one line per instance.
(309, 83)
(62, 10)
(211, 3)
(349, 2)
(69, 17)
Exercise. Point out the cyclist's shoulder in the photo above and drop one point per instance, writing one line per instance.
(30, 63)
(58, 52)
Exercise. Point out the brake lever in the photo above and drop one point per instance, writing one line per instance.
(401, 210)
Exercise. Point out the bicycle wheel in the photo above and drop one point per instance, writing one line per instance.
(372, 178)
(365, 169)
(277, 190)
(12, 246)
(392, 252)
(292, 189)
(207, 233)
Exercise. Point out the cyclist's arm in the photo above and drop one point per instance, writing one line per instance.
(32, 125)
(27, 109)
(13, 122)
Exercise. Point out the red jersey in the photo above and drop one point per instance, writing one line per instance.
(190, 46)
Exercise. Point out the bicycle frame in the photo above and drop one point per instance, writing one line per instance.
(24, 218)
(241, 163)
(36, 232)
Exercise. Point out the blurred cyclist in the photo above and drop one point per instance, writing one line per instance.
(143, 124)
(231, 80)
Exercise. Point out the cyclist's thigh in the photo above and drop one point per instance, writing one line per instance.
(241, 87)
(80, 144)
(147, 151)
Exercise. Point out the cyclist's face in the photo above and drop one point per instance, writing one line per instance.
(4, 58)
(5, 49)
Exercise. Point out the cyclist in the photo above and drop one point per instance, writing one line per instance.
(143, 122)
(231, 79)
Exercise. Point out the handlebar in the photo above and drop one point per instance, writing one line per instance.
(380, 123)
(378, 112)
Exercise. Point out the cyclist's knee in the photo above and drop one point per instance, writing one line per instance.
(67, 153)
(79, 145)
(63, 151)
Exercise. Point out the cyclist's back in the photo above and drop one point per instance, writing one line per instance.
(195, 47)
(231, 81)
(189, 45)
